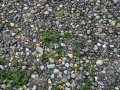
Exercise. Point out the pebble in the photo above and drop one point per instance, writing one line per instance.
(52, 76)
(51, 60)
(49, 81)
(66, 88)
(34, 87)
(70, 55)
(99, 62)
(2, 67)
(56, 71)
(98, 44)
(33, 76)
(3, 86)
(46, 12)
(113, 23)
(68, 84)
(1, 27)
(51, 65)
(41, 67)
(12, 24)
(73, 75)
(39, 49)
(67, 65)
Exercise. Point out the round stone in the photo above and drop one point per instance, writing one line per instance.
(56, 71)
(33, 76)
(99, 62)
(41, 67)
(67, 65)
(113, 23)
(73, 75)
(68, 84)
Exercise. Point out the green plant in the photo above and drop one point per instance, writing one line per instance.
(50, 37)
(2, 59)
(17, 78)
(89, 79)
(46, 56)
(76, 49)
(58, 14)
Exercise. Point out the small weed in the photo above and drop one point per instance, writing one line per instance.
(15, 77)
(2, 59)
(46, 56)
(58, 14)
(76, 49)
(50, 37)
(89, 79)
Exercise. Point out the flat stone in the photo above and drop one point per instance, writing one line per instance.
(113, 23)
(39, 49)
(51, 65)
(68, 84)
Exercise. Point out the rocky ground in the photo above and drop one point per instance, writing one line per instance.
(59, 45)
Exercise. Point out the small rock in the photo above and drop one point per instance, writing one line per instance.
(1, 67)
(73, 75)
(33, 76)
(68, 84)
(52, 76)
(39, 49)
(113, 23)
(12, 24)
(70, 55)
(56, 71)
(23, 67)
(73, 84)
(51, 60)
(99, 62)
(66, 88)
(3, 86)
(49, 81)
(34, 87)
(104, 46)
(41, 67)
(51, 65)
(67, 65)
(46, 12)
(98, 44)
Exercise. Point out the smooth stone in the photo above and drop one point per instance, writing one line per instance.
(46, 12)
(67, 65)
(100, 83)
(104, 46)
(73, 75)
(39, 49)
(66, 88)
(99, 62)
(51, 60)
(70, 55)
(52, 76)
(98, 44)
(49, 81)
(68, 84)
(51, 65)
(33, 76)
(111, 72)
(2, 67)
(3, 86)
(41, 67)
(115, 50)
(56, 71)
(73, 84)
(12, 24)
(113, 23)
(34, 87)
(65, 71)
(1, 27)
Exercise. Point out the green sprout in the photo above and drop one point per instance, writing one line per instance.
(58, 14)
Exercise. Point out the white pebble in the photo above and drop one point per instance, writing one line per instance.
(104, 46)
(34, 87)
(67, 65)
(56, 71)
(33, 76)
(51, 65)
(41, 67)
(52, 76)
(99, 62)
(70, 55)
(39, 49)
(98, 44)
(46, 12)
(1, 67)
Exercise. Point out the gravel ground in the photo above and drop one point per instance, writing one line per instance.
(59, 45)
